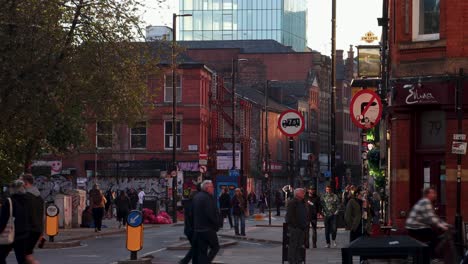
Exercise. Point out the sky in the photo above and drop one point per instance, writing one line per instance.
(354, 18)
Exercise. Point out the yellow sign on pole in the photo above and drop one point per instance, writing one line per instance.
(52, 221)
(134, 238)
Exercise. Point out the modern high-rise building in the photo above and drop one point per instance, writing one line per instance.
(281, 20)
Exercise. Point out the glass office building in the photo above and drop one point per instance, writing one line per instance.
(282, 20)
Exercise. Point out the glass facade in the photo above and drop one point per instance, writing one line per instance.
(281, 20)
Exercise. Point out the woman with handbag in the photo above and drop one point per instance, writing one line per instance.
(14, 224)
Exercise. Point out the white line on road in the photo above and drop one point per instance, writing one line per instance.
(152, 252)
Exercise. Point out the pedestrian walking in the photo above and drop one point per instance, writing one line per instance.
(189, 228)
(313, 208)
(262, 203)
(35, 207)
(278, 202)
(17, 205)
(296, 218)
(141, 198)
(353, 216)
(330, 207)
(252, 199)
(225, 206)
(206, 222)
(133, 196)
(97, 201)
(109, 202)
(238, 210)
(123, 205)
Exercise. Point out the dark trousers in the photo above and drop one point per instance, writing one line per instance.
(32, 241)
(239, 218)
(296, 244)
(425, 235)
(313, 225)
(122, 216)
(189, 256)
(226, 212)
(278, 211)
(330, 227)
(98, 214)
(19, 246)
(353, 235)
(202, 242)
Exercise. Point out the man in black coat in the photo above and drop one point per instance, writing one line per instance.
(188, 228)
(313, 208)
(206, 222)
(296, 218)
(225, 206)
(35, 207)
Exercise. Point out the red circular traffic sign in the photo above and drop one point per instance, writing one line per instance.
(365, 109)
(291, 123)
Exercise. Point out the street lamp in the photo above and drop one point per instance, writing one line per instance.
(333, 99)
(235, 63)
(174, 124)
(267, 149)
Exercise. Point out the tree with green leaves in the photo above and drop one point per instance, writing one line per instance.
(64, 64)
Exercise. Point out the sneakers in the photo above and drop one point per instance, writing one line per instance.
(334, 243)
(328, 245)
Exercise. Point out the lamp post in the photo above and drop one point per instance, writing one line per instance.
(235, 63)
(267, 149)
(333, 98)
(174, 124)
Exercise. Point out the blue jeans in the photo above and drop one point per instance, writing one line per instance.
(251, 209)
(330, 227)
(240, 217)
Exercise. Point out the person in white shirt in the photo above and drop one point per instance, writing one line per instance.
(141, 197)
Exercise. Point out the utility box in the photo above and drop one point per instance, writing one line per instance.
(65, 205)
(78, 206)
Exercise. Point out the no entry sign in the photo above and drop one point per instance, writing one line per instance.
(366, 109)
(291, 123)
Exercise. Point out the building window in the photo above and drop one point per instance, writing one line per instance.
(168, 134)
(104, 134)
(426, 20)
(168, 88)
(138, 136)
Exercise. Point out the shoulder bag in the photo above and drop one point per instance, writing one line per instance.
(8, 235)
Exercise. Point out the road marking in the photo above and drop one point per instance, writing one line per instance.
(152, 252)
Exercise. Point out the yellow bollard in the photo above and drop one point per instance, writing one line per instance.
(52, 221)
(134, 233)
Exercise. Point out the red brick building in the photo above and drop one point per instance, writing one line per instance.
(138, 156)
(428, 49)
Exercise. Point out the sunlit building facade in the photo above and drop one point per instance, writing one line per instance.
(281, 20)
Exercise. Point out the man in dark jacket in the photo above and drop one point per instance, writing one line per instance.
(188, 228)
(35, 207)
(22, 225)
(206, 222)
(225, 206)
(353, 216)
(296, 218)
(313, 208)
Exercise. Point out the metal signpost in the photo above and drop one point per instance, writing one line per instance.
(291, 124)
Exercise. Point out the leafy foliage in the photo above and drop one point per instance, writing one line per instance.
(64, 64)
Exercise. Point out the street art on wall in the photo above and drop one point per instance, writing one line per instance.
(151, 186)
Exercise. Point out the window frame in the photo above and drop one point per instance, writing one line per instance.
(169, 134)
(98, 134)
(416, 36)
(135, 134)
(178, 88)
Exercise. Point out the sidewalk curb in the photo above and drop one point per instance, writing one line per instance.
(260, 240)
(95, 235)
(62, 244)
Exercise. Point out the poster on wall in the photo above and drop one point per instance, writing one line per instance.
(224, 159)
(368, 61)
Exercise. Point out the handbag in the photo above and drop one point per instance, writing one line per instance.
(7, 236)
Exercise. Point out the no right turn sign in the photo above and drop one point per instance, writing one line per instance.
(366, 109)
